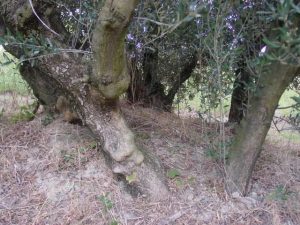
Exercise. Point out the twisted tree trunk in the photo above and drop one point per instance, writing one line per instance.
(93, 93)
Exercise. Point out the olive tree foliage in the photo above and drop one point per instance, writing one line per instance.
(174, 45)
(163, 50)
(76, 49)
(274, 71)
(252, 52)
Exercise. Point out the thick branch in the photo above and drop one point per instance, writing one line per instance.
(110, 69)
(183, 76)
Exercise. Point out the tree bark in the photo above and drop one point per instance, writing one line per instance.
(110, 73)
(149, 91)
(239, 97)
(145, 87)
(253, 129)
(45, 89)
(94, 93)
(184, 75)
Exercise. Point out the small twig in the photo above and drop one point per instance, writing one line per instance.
(37, 16)
(174, 217)
(170, 29)
(275, 124)
(154, 21)
(294, 126)
(39, 212)
(56, 53)
(13, 146)
(291, 106)
(291, 128)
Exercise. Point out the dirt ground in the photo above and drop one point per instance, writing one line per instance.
(56, 174)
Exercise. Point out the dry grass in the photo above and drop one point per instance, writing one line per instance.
(10, 103)
(56, 175)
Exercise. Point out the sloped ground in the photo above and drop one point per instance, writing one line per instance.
(55, 174)
(10, 102)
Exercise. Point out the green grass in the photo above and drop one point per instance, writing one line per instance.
(195, 103)
(10, 79)
(292, 136)
(286, 101)
(12, 82)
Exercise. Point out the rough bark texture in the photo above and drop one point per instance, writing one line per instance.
(93, 94)
(110, 67)
(183, 76)
(148, 90)
(239, 97)
(45, 89)
(253, 129)
(145, 87)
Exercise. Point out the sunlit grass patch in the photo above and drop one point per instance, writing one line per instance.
(286, 101)
(12, 82)
(10, 78)
(291, 136)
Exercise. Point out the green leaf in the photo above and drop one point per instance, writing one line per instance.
(114, 223)
(271, 44)
(280, 194)
(6, 63)
(131, 178)
(179, 182)
(188, 18)
(2, 41)
(172, 173)
(271, 57)
(182, 9)
(93, 145)
(6, 57)
(106, 201)
(296, 99)
(295, 7)
(19, 37)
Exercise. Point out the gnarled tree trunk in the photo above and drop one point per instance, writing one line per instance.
(93, 93)
(253, 129)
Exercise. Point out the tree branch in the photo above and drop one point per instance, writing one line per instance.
(183, 76)
(39, 18)
(110, 69)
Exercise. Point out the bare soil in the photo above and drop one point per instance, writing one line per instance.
(56, 174)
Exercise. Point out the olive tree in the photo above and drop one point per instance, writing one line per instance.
(40, 34)
(275, 70)
(163, 51)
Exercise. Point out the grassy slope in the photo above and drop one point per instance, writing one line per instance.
(286, 101)
(10, 79)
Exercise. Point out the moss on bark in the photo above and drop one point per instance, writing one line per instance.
(110, 68)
